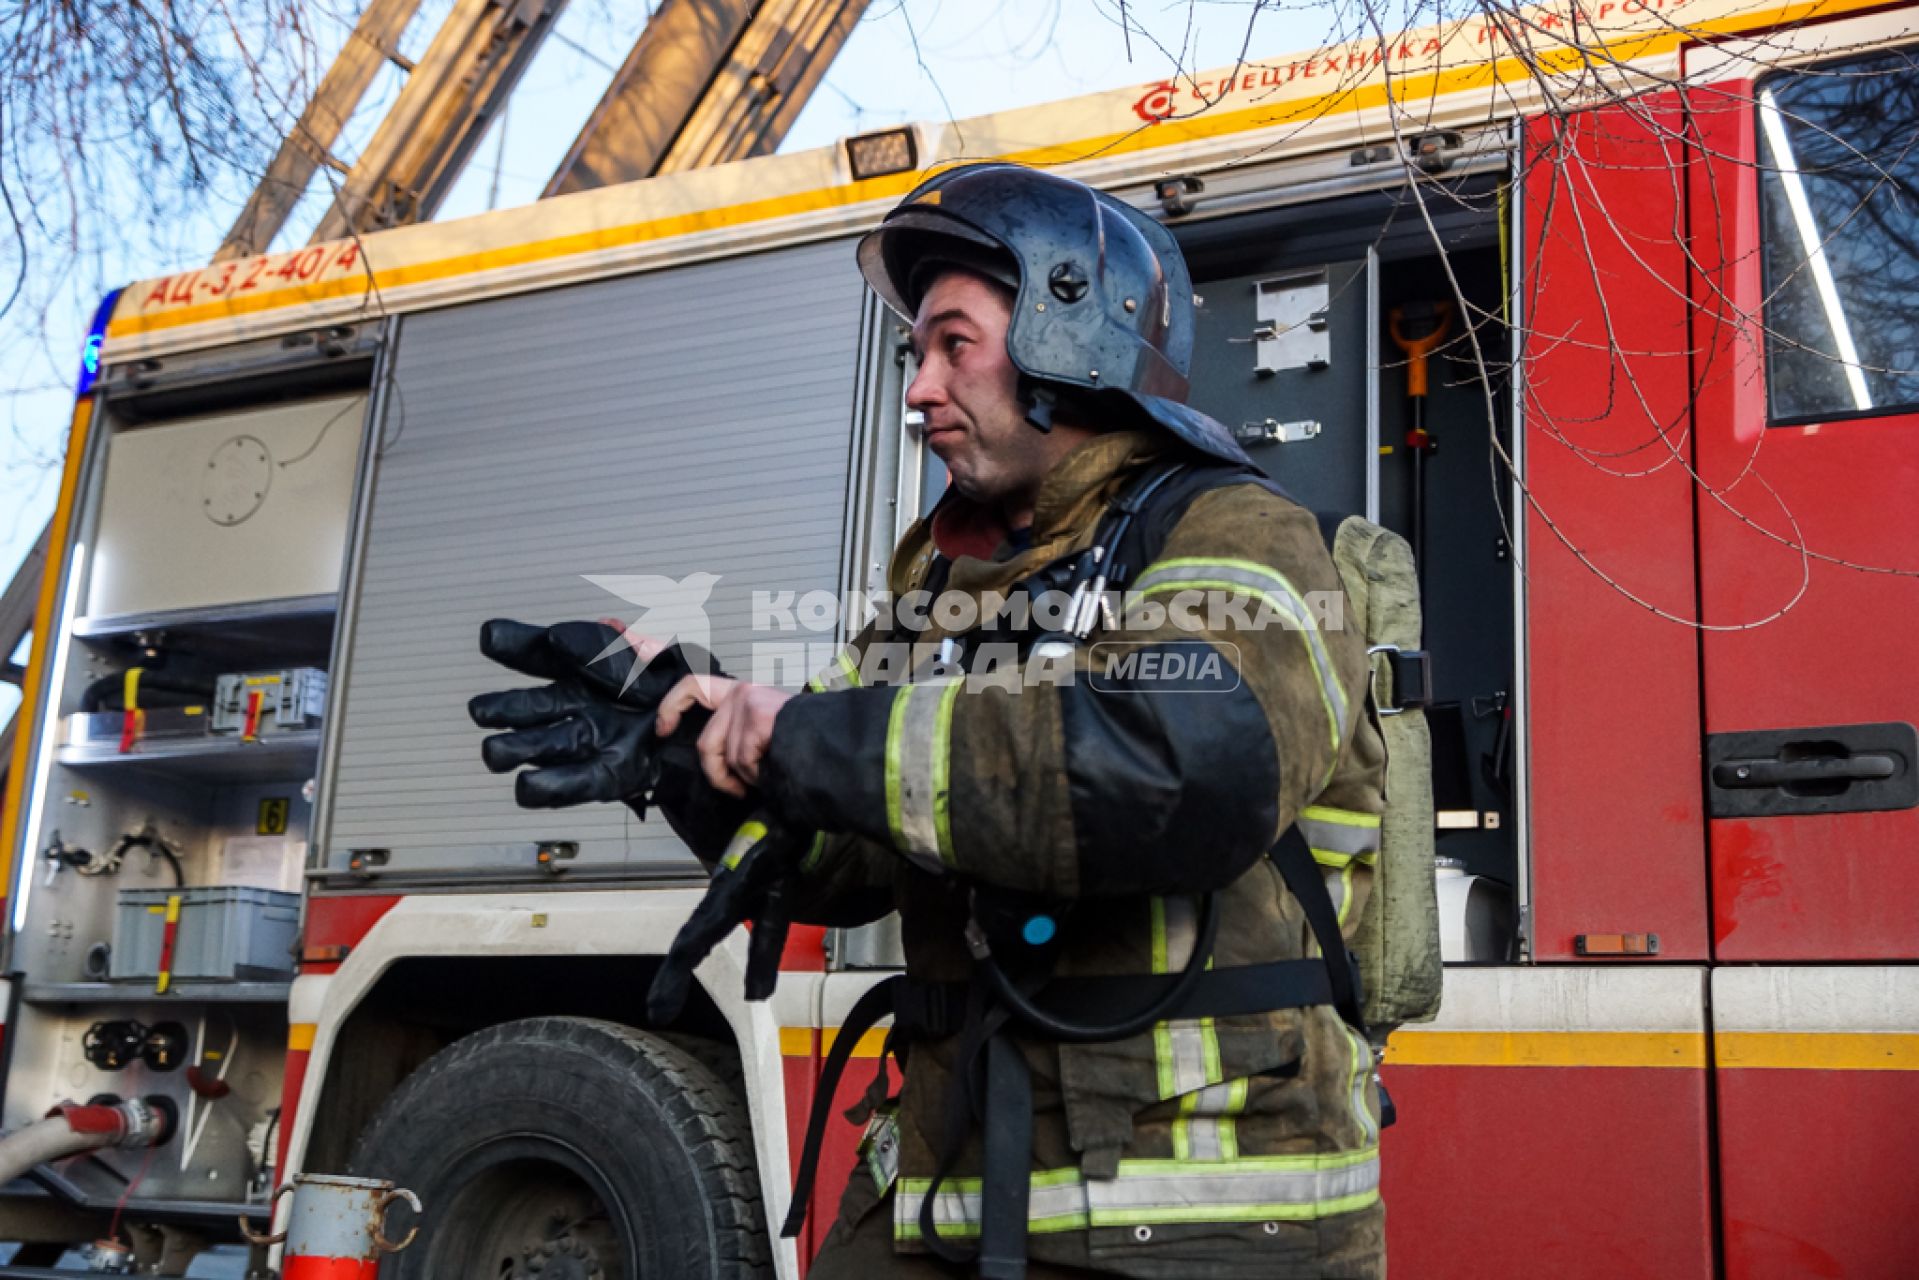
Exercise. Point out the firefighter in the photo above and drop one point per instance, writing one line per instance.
(1127, 1023)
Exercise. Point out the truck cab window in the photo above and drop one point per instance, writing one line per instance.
(1839, 206)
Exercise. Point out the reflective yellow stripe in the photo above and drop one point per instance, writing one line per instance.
(1361, 1071)
(1205, 1128)
(300, 1037)
(1162, 1033)
(814, 852)
(751, 832)
(1338, 837)
(942, 769)
(895, 717)
(1185, 1050)
(1144, 1192)
(1247, 577)
(918, 754)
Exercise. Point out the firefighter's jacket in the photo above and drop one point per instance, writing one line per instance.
(1248, 1143)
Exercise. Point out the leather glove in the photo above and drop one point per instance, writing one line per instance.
(591, 730)
(747, 885)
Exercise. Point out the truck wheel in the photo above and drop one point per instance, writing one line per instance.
(569, 1149)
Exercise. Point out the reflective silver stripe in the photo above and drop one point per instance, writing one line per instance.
(1271, 586)
(1178, 1046)
(1252, 1189)
(843, 673)
(1362, 1072)
(1341, 832)
(916, 756)
(751, 832)
(1337, 883)
(1224, 1192)
(1205, 1129)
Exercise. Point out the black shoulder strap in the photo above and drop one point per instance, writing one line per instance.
(1294, 859)
(1141, 543)
(1168, 504)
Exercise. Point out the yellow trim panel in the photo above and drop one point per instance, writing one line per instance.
(1547, 1049)
(52, 574)
(1448, 76)
(1817, 1050)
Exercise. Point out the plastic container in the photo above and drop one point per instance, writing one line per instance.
(226, 932)
(1475, 915)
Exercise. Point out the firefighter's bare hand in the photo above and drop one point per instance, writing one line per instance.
(734, 740)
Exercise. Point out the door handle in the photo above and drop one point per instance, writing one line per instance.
(1810, 770)
(1845, 768)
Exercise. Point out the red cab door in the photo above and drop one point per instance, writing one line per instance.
(1804, 231)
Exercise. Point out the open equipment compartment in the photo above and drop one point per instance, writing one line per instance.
(1295, 352)
(166, 828)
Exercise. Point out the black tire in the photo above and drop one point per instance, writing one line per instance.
(594, 1150)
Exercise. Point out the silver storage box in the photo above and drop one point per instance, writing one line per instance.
(289, 700)
(226, 931)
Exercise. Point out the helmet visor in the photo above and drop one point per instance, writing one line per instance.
(901, 257)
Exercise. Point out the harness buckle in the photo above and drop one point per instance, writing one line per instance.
(1412, 678)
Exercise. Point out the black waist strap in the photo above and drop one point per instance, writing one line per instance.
(937, 1010)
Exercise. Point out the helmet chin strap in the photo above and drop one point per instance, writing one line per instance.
(1040, 400)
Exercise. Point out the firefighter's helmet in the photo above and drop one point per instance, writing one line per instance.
(1102, 298)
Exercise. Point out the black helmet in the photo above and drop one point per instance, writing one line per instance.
(1102, 298)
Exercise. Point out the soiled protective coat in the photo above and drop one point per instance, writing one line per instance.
(1229, 1147)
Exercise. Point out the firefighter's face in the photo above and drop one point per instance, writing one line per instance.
(968, 389)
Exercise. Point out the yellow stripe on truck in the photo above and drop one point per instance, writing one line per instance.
(1547, 1049)
(1663, 39)
(52, 574)
(1818, 1050)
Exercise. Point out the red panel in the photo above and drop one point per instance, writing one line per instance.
(341, 921)
(1617, 840)
(290, 1091)
(331, 1269)
(1523, 1172)
(805, 950)
(799, 1071)
(1840, 886)
(839, 1153)
(1817, 1174)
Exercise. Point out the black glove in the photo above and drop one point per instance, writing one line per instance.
(752, 888)
(591, 730)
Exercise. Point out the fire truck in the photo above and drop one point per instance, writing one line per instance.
(266, 906)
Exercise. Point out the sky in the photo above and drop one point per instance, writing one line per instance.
(906, 60)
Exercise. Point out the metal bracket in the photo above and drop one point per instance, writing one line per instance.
(366, 863)
(1292, 313)
(1431, 152)
(1173, 194)
(553, 855)
(1272, 431)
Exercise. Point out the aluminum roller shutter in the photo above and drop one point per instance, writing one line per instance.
(695, 420)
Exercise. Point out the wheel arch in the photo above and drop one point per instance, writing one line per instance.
(435, 969)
